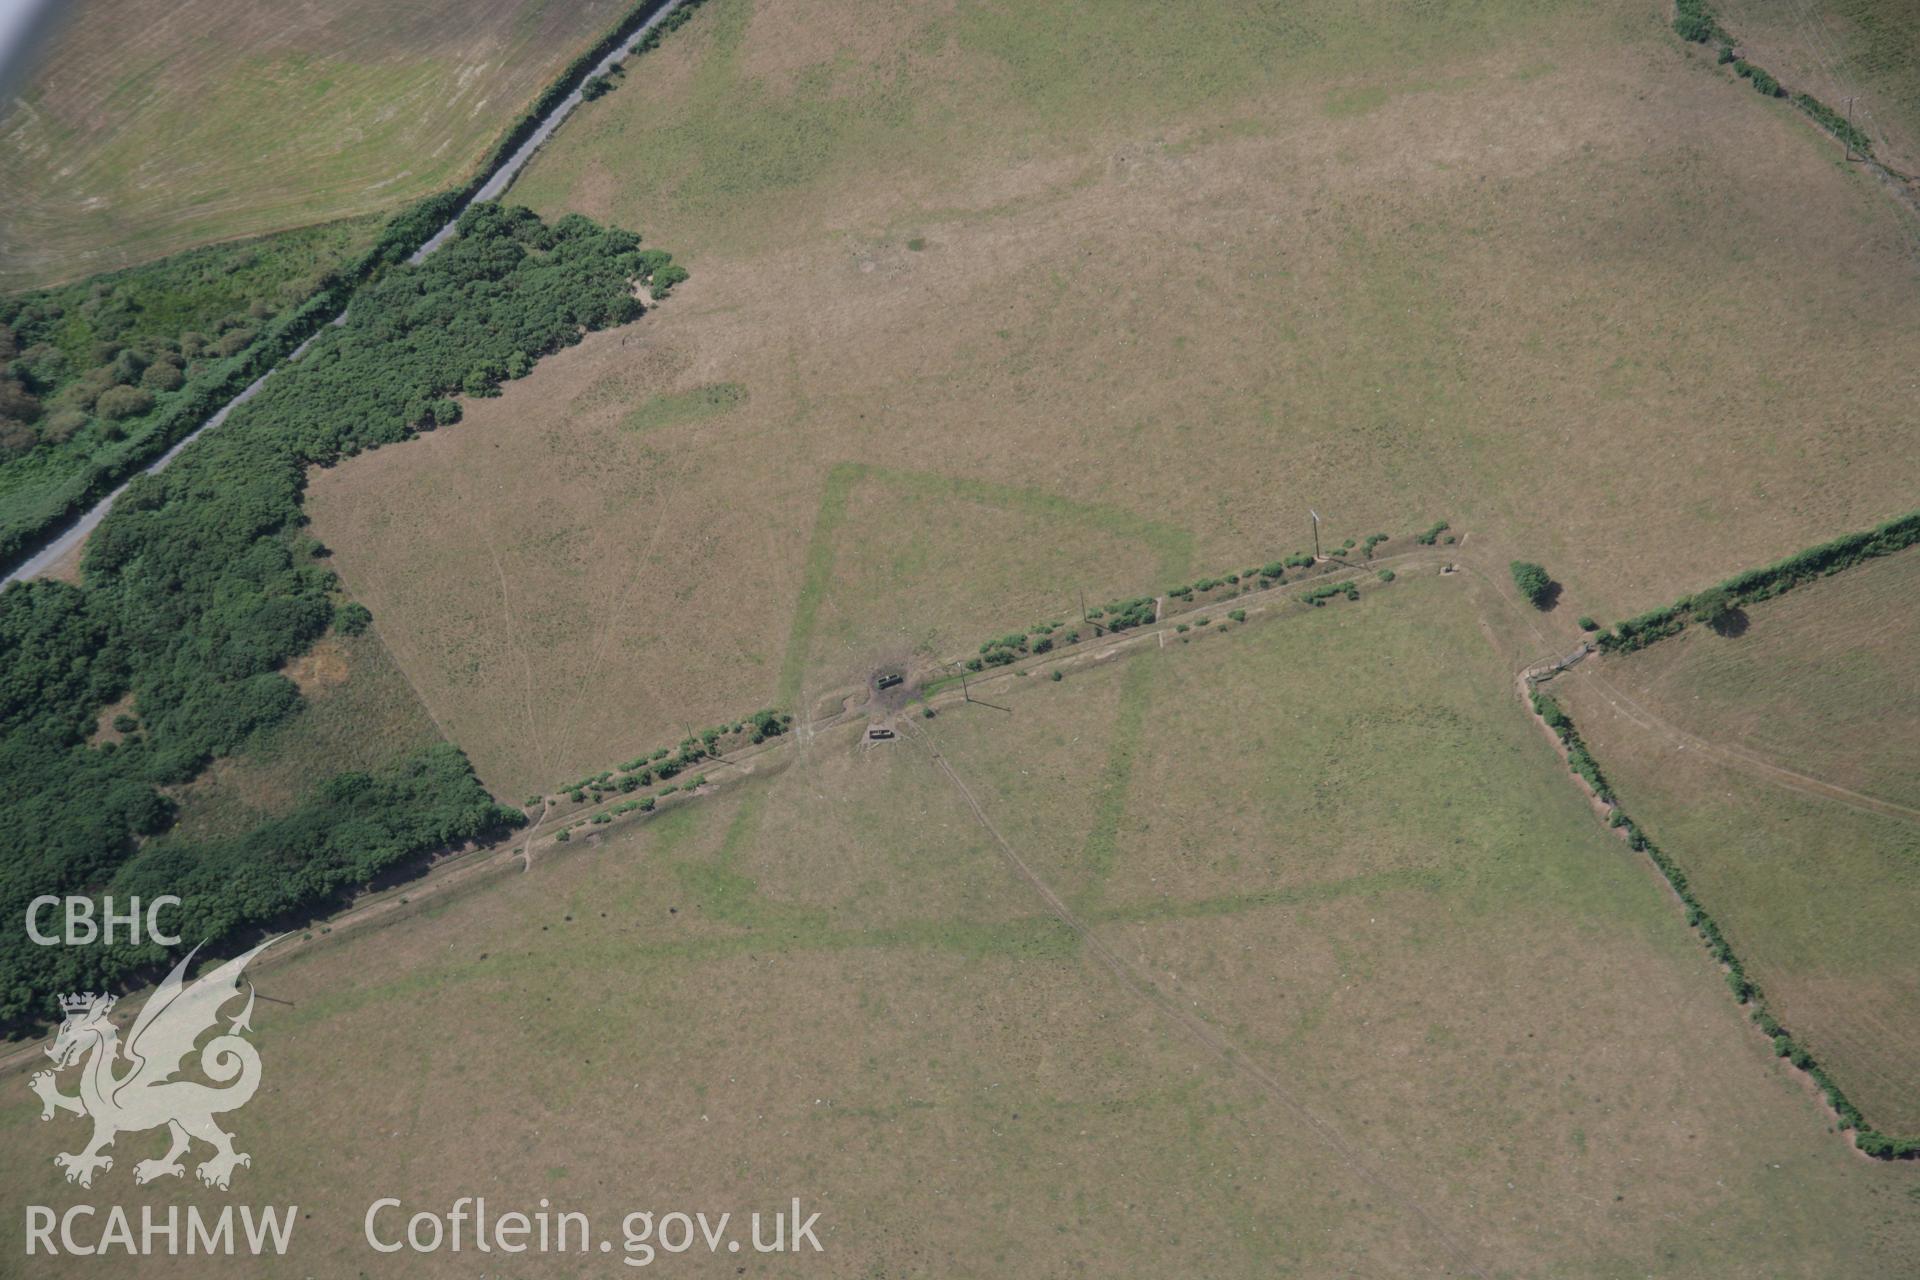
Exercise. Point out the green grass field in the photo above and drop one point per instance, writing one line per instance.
(1484, 1041)
(150, 128)
(1816, 891)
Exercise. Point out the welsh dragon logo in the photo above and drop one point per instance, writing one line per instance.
(129, 1089)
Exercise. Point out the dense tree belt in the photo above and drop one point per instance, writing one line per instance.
(201, 584)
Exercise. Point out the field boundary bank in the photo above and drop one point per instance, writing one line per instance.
(410, 234)
(1582, 764)
(948, 692)
(1755, 585)
(1695, 22)
(481, 863)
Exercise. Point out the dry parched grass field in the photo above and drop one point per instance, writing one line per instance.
(1465, 1033)
(155, 126)
(1281, 949)
(1532, 269)
(1866, 50)
(1816, 892)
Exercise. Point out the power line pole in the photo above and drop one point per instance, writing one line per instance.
(1316, 532)
(1846, 139)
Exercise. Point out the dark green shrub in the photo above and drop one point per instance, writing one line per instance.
(1238, 615)
(1386, 575)
(1835, 123)
(1762, 82)
(1533, 582)
(352, 619)
(1588, 624)
(1693, 20)
(1714, 608)
(117, 403)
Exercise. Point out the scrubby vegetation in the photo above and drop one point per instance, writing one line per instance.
(1763, 83)
(1745, 990)
(1327, 591)
(200, 586)
(1427, 537)
(99, 377)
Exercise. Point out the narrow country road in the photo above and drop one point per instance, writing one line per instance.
(492, 189)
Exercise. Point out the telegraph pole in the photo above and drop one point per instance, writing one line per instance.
(1316, 532)
(1847, 139)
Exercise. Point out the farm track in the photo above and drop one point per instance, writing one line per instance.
(1744, 761)
(473, 867)
(1734, 757)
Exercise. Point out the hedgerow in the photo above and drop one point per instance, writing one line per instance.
(1835, 123)
(1765, 583)
(1762, 82)
(1327, 590)
(1745, 991)
(1694, 21)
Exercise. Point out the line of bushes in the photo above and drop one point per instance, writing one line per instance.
(1745, 990)
(1764, 583)
(1326, 591)
(1138, 611)
(1693, 20)
(667, 762)
(1835, 123)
